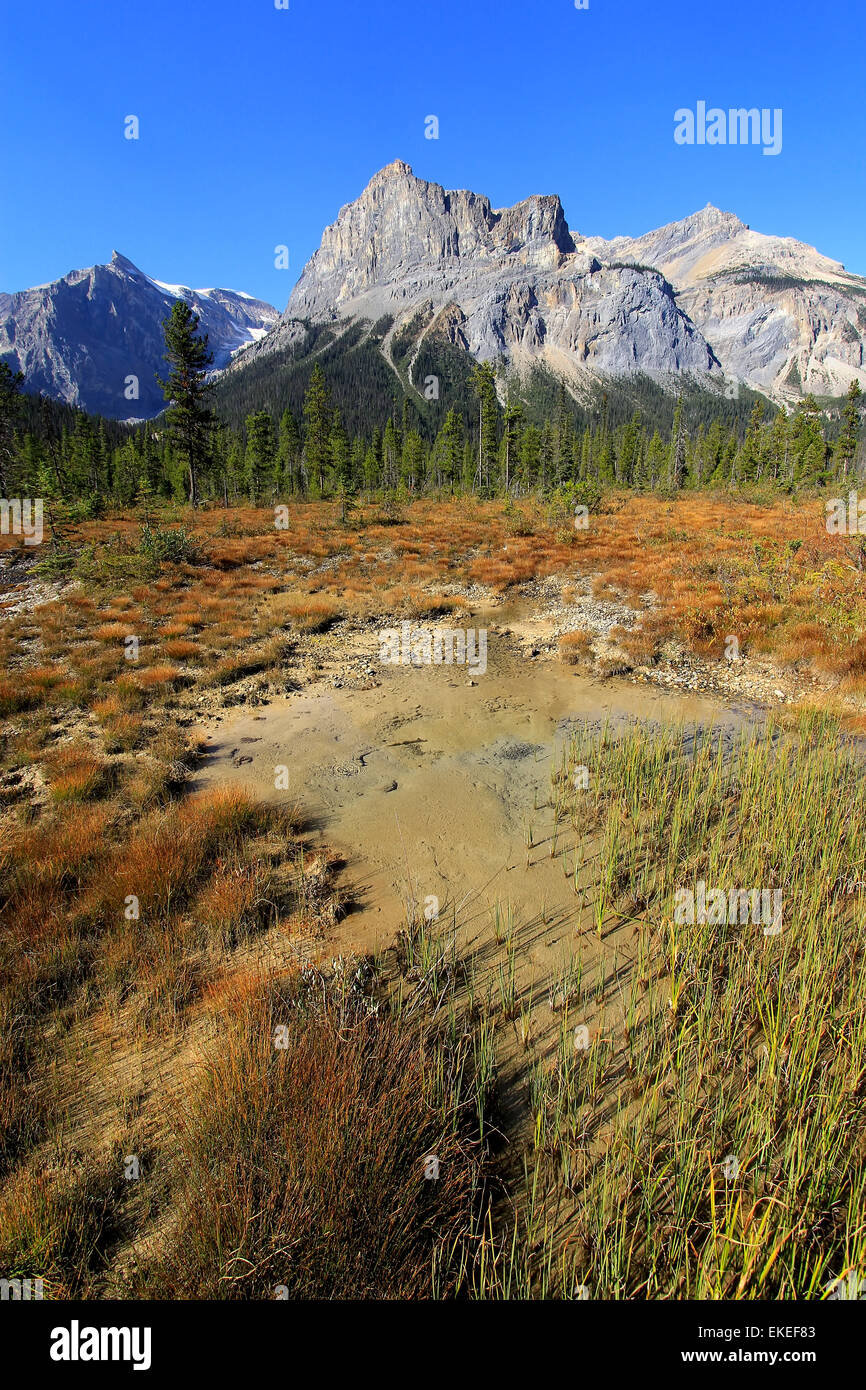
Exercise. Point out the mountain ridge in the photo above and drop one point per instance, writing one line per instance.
(704, 296)
(519, 283)
(80, 338)
(768, 311)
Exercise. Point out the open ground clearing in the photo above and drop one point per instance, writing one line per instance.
(431, 936)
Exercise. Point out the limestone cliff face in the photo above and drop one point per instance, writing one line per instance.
(705, 295)
(404, 236)
(525, 288)
(779, 315)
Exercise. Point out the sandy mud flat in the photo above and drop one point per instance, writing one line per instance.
(430, 782)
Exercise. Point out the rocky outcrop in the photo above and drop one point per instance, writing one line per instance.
(705, 295)
(525, 287)
(81, 338)
(780, 316)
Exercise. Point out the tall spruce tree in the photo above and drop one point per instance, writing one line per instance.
(186, 388)
(846, 445)
(317, 443)
(511, 432)
(340, 452)
(289, 452)
(485, 389)
(261, 452)
(677, 452)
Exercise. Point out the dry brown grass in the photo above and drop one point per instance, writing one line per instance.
(770, 575)
(575, 646)
(307, 612)
(113, 632)
(180, 650)
(322, 1142)
(14, 697)
(642, 644)
(158, 676)
(76, 773)
(232, 901)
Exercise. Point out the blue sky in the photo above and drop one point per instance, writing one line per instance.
(257, 124)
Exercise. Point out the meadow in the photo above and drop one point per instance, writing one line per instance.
(202, 1095)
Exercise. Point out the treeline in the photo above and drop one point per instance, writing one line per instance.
(491, 449)
(369, 381)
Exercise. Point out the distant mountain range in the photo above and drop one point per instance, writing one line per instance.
(706, 296)
(80, 339)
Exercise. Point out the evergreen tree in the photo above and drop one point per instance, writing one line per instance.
(529, 458)
(585, 455)
(289, 452)
(356, 462)
(391, 451)
(627, 451)
(485, 388)
(750, 464)
(317, 444)
(846, 445)
(564, 442)
(186, 387)
(470, 466)
(808, 449)
(412, 461)
(126, 471)
(371, 469)
(510, 435)
(260, 456)
(144, 498)
(677, 451)
(657, 458)
(778, 445)
(234, 470)
(547, 454)
(448, 451)
(340, 455)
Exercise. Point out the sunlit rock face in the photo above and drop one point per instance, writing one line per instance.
(82, 338)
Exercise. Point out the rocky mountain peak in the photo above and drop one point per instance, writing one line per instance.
(696, 294)
(781, 317)
(515, 277)
(702, 295)
(398, 168)
(713, 216)
(403, 228)
(85, 337)
(123, 264)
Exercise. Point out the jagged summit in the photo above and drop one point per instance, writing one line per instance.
(82, 338)
(120, 262)
(710, 210)
(395, 169)
(515, 280)
(779, 315)
(704, 294)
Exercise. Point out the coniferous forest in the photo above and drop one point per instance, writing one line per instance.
(336, 419)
